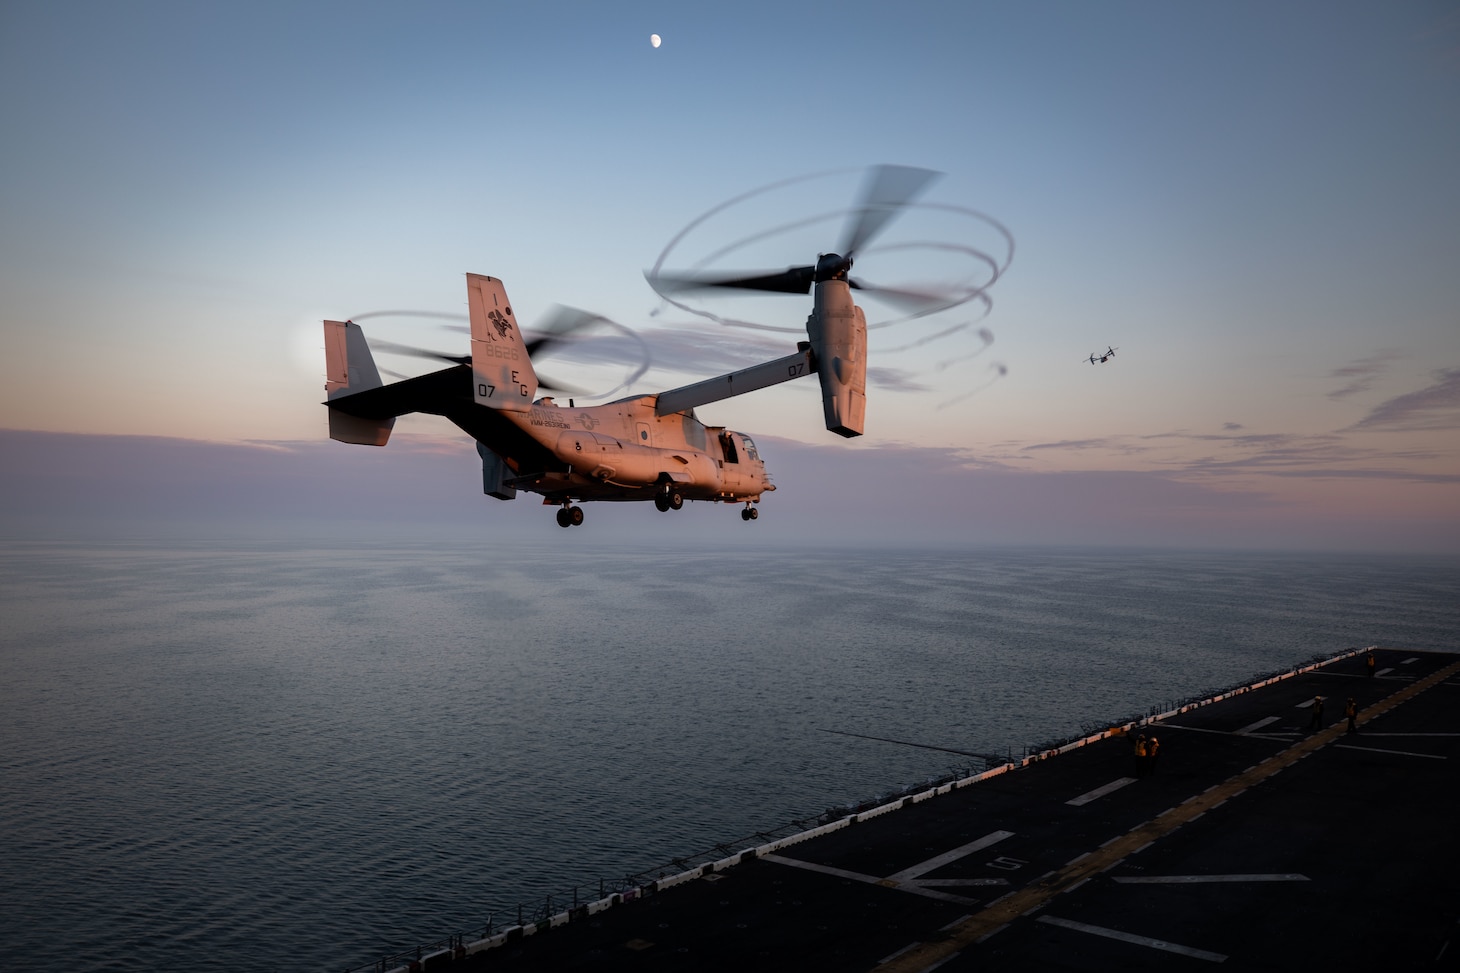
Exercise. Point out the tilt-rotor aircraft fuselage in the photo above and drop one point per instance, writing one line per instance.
(643, 447)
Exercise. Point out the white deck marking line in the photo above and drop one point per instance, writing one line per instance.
(1100, 792)
(914, 888)
(954, 882)
(1258, 725)
(892, 956)
(953, 923)
(921, 868)
(1193, 879)
(823, 869)
(1278, 735)
(1368, 734)
(947, 959)
(1384, 672)
(1401, 753)
(1126, 937)
(1413, 658)
(1195, 729)
(1309, 703)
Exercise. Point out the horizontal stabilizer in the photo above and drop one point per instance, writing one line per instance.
(434, 392)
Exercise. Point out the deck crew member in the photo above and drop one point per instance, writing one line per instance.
(1316, 723)
(1352, 712)
(1369, 663)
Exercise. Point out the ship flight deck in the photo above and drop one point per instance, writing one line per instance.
(1254, 842)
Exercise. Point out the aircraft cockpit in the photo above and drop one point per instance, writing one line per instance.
(737, 446)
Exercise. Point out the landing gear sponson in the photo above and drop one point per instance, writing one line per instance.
(668, 498)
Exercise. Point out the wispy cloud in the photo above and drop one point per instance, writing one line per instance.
(1360, 374)
(1105, 442)
(1434, 407)
(1333, 455)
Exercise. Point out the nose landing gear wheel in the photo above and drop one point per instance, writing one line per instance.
(676, 500)
(749, 513)
(661, 503)
(570, 516)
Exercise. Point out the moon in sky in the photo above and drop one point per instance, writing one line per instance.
(654, 40)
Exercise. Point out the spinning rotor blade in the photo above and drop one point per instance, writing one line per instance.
(390, 347)
(914, 303)
(792, 280)
(560, 323)
(887, 192)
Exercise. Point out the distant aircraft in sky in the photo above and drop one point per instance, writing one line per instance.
(1097, 358)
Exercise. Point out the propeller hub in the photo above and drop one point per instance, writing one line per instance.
(832, 266)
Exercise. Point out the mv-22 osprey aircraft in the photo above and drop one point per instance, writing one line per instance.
(643, 447)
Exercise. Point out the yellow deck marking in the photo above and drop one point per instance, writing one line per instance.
(1003, 911)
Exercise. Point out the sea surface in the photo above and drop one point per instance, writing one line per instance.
(287, 758)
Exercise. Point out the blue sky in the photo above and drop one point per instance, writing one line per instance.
(1256, 203)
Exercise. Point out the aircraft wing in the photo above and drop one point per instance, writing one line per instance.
(736, 383)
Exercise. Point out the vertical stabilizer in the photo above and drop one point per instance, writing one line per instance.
(502, 375)
(350, 368)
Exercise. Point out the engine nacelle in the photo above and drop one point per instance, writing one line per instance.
(838, 333)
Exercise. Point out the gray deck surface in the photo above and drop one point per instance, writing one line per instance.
(1277, 848)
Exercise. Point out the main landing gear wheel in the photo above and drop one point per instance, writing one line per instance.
(668, 499)
(570, 516)
(749, 513)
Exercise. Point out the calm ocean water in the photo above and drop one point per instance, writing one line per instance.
(276, 759)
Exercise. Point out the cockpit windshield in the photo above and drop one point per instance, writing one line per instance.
(750, 452)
